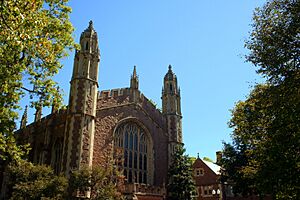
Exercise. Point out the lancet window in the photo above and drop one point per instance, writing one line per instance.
(56, 156)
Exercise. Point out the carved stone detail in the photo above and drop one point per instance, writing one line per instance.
(89, 104)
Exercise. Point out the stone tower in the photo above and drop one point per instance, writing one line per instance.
(80, 127)
(171, 109)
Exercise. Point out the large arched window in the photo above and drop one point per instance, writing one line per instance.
(134, 144)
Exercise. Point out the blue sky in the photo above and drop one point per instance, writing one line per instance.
(203, 40)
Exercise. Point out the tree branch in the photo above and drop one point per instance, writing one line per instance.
(32, 91)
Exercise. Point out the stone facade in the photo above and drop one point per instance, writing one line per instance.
(97, 123)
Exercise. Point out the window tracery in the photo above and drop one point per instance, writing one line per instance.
(133, 141)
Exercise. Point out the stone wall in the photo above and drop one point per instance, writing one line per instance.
(42, 135)
(117, 106)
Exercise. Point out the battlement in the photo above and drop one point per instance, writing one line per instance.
(113, 93)
(123, 96)
(106, 94)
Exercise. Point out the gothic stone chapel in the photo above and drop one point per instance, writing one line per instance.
(96, 123)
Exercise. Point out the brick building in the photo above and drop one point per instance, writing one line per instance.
(208, 185)
(96, 123)
(206, 176)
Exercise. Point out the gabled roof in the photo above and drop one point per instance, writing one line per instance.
(215, 168)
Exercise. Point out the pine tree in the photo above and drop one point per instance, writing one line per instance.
(180, 176)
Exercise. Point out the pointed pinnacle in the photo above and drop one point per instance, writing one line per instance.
(25, 110)
(134, 71)
(24, 118)
(91, 25)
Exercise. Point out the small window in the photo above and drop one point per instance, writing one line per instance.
(145, 162)
(130, 159)
(125, 158)
(130, 177)
(199, 172)
(131, 141)
(140, 177)
(208, 190)
(125, 173)
(145, 178)
(135, 177)
(86, 46)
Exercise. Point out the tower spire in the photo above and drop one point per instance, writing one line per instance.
(134, 71)
(24, 118)
(171, 109)
(171, 94)
(91, 26)
(79, 141)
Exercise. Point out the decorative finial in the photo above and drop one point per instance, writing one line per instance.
(24, 118)
(38, 112)
(134, 81)
(170, 67)
(198, 156)
(134, 71)
(91, 25)
(54, 103)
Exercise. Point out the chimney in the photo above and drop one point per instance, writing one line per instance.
(219, 157)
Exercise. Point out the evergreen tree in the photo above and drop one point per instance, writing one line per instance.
(181, 184)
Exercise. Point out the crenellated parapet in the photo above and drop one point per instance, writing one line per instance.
(108, 99)
(106, 94)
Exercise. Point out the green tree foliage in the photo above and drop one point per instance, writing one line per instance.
(193, 159)
(34, 36)
(266, 141)
(35, 182)
(208, 159)
(103, 183)
(180, 176)
(264, 157)
(275, 39)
